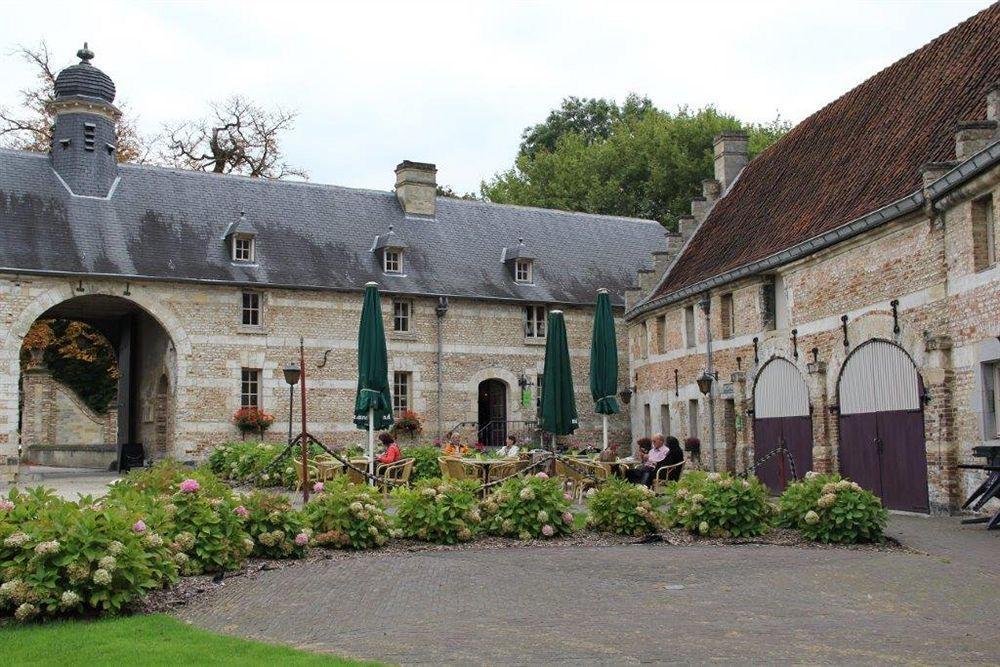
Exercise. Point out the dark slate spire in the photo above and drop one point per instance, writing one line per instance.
(85, 80)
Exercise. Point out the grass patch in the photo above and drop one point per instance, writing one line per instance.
(145, 640)
(580, 520)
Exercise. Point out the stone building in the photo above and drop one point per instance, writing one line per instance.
(204, 283)
(843, 286)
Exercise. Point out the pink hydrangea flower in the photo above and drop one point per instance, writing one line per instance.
(318, 487)
(140, 526)
(548, 531)
(567, 517)
(302, 539)
(568, 496)
(190, 486)
(241, 512)
(6, 505)
(542, 475)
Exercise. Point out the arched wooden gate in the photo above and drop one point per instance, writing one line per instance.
(882, 444)
(781, 417)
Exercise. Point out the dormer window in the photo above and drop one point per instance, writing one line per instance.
(522, 271)
(241, 237)
(392, 260)
(243, 248)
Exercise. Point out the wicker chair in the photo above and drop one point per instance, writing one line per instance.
(500, 471)
(661, 479)
(443, 466)
(456, 469)
(311, 474)
(572, 479)
(597, 474)
(391, 475)
(356, 476)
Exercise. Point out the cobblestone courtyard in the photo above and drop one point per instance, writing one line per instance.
(649, 603)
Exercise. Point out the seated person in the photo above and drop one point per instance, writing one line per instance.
(510, 449)
(454, 446)
(645, 473)
(675, 455)
(392, 453)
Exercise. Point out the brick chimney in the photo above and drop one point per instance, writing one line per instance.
(730, 157)
(973, 136)
(416, 187)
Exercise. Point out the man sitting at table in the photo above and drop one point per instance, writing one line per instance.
(392, 453)
(510, 450)
(657, 455)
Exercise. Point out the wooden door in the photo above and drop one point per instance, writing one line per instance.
(781, 419)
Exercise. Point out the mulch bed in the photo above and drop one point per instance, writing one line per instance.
(188, 588)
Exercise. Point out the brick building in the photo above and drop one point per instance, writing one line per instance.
(205, 283)
(843, 286)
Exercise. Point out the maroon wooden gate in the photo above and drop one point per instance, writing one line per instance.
(781, 418)
(882, 443)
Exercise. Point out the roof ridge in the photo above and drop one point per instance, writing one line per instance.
(562, 211)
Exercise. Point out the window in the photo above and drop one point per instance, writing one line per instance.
(665, 419)
(89, 136)
(661, 334)
(243, 248)
(522, 271)
(646, 421)
(984, 234)
(727, 315)
(400, 392)
(693, 418)
(991, 400)
(780, 303)
(250, 388)
(393, 261)
(251, 309)
(643, 340)
(534, 321)
(401, 316)
(539, 380)
(689, 336)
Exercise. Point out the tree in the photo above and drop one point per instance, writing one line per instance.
(637, 161)
(447, 191)
(238, 137)
(30, 129)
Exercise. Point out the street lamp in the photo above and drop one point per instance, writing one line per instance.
(705, 381)
(292, 374)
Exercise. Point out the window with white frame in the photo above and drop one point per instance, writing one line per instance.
(522, 270)
(534, 322)
(250, 388)
(401, 386)
(991, 400)
(401, 311)
(250, 315)
(392, 260)
(244, 248)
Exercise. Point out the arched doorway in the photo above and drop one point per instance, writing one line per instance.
(145, 361)
(781, 417)
(492, 412)
(882, 444)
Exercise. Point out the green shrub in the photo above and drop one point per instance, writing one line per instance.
(163, 480)
(245, 461)
(425, 462)
(528, 507)
(438, 510)
(277, 530)
(623, 508)
(827, 508)
(206, 532)
(347, 516)
(718, 504)
(60, 558)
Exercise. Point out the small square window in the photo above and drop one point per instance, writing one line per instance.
(250, 388)
(243, 249)
(401, 382)
(393, 261)
(522, 271)
(251, 309)
(534, 322)
(401, 311)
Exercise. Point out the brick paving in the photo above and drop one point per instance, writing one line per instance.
(632, 604)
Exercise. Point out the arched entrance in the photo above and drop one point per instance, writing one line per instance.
(145, 364)
(781, 417)
(492, 412)
(882, 444)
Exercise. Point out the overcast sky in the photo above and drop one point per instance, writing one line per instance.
(456, 83)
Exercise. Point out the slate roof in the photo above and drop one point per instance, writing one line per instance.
(857, 154)
(84, 80)
(169, 224)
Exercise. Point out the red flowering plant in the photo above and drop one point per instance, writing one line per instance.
(252, 420)
(408, 424)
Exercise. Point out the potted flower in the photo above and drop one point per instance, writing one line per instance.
(252, 420)
(693, 447)
(407, 426)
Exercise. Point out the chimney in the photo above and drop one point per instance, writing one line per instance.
(686, 225)
(416, 187)
(973, 136)
(730, 157)
(710, 190)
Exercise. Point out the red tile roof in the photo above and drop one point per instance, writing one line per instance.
(857, 154)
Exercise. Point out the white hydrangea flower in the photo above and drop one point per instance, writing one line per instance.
(69, 599)
(827, 500)
(109, 563)
(812, 518)
(115, 548)
(102, 577)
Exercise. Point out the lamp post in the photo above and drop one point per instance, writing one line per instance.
(292, 374)
(705, 384)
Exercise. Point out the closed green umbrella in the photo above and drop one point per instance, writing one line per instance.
(373, 403)
(604, 361)
(558, 403)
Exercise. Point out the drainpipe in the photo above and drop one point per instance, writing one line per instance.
(441, 309)
(706, 307)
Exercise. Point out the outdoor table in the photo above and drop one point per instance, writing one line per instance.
(988, 489)
(483, 466)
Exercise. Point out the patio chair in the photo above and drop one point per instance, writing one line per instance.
(500, 471)
(572, 479)
(456, 469)
(311, 474)
(354, 475)
(391, 475)
(596, 474)
(664, 474)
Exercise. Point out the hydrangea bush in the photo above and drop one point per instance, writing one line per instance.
(623, 508)
(718, 504)
(827, 508)
(425, 462)
(243, 461)
(438, 510)
(347, 516)
(207, 533)
(529, 507)
(277, 530)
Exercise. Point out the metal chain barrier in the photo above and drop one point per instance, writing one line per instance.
(781, 449)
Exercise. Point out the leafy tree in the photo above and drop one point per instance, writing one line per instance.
(447, 191)
(633, 160)
(79, 357)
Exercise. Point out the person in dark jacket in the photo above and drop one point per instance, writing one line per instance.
(674, 456)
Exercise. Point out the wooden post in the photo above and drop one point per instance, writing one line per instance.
(305, 439)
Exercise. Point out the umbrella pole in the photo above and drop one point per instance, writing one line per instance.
(371, 444)
(605, 420)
